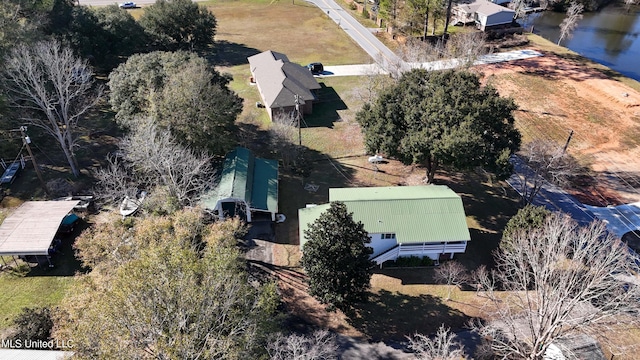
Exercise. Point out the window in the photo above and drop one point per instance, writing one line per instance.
(387, 236)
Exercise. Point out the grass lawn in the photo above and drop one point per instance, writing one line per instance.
(30, 291)
(301, 31)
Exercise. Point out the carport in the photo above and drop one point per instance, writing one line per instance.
(31, 228)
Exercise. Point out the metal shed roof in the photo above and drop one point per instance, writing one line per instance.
(30, 229)
(416, 214)
(247, 178)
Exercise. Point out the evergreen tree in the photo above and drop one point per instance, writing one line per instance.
(439, 118)
(336, 258)
(527, 219)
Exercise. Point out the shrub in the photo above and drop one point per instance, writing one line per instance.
(33, 324)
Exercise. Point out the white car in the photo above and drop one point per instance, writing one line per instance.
(128, 5)
(376, 159)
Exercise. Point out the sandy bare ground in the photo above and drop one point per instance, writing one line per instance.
(559, 94)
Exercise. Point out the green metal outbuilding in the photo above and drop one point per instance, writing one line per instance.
(402, 220)
(248, 187)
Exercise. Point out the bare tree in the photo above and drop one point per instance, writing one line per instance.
(283, 135)
(547, 161)
(451, 273)
(519, 6)
(320, 345)
(153, 158)
(374, 82)
(483, 281)
(466, 48)
(558, 280)
(460, 51)
(114, 181)
(570, 22)
(54, 88)
(628, 3)
(160, 160)
(441, 347)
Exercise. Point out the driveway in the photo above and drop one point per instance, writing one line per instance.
(373, 69)
(618, 219)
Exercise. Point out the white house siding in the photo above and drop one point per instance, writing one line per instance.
(380, 245)
(433, 250)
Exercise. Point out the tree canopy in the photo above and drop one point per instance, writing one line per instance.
(103, 34)
(169, 288)
(182, 92)
(438, 118)
(179, 24)
(528, 218)
(336, 258)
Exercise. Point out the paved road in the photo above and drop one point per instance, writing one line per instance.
(619, 219)
(550, 196)
(361, 35)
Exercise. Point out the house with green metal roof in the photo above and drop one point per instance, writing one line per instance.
(248, 188)
(402, 220)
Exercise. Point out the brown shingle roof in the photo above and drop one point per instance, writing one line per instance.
(280, 80)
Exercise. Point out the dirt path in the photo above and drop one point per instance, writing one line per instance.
(559, 94)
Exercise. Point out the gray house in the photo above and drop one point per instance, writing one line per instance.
(279, 81)
(484, 14)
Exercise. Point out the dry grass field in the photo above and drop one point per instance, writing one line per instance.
(562, 91)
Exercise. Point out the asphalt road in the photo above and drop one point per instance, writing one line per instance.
(618, 219)
(361, 35)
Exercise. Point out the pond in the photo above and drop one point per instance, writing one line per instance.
(608, 36)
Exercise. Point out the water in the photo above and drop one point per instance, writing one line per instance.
(609, 36)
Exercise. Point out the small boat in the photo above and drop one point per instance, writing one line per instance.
(86, 201)
(130, 205)
(10, 173)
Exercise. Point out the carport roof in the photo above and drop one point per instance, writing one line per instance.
(31, 228)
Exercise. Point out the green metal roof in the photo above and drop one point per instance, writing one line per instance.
(247, 178)
(416, 214)
(306, 216)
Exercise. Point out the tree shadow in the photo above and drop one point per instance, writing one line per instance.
(231, 54)
(394, 316)
(409, 276)
(64, 261)
(325, 109)
(573, 68)
(255, 139)
(490, 203)
(296, 191)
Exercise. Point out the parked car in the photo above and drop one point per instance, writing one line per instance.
(128, 5)
(315, 68)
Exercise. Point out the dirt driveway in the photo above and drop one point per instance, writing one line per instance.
(557, 94)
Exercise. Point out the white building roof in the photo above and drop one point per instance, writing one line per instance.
(30, 229)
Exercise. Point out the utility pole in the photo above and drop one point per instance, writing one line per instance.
(27, 141)
(567, 143)
(298, 103)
